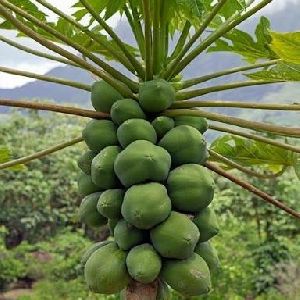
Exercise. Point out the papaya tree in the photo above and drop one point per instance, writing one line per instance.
(148, 169)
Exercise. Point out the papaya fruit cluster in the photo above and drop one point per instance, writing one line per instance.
(143, 175)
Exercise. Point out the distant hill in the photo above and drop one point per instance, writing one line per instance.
(204, 64)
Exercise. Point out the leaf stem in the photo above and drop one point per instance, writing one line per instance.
(236, 104)
(40, 154)
(77, 85)
(254, 137)
(156, 37)
(246, 185)
(191, 82)
(68, 110)
(230, 86)
(174, 69)
(258, 126)
(135, 63)
(148, 40)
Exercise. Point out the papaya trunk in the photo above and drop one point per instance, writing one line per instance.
(138, 291)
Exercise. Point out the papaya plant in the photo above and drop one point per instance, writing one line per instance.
(147, 170)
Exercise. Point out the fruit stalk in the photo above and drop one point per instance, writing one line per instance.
(137, 291)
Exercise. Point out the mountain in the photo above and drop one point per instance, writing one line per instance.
(204, 64)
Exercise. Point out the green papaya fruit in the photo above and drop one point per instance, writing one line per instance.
(128, 236)
(104, 96)
(190, 277)
(90, 250)
(105, 271)
(86, 185)
(207, 223)
(162, 125)
(197, 122)
(109, 204)
(100, 134)
(156, 95)
(163, 291)
(190, 187)
(112, 223)
(143, 263)
(146, 205)
(103, 174)
(176, 237)
(126, 109)
(185, 144)
(88, 213)
(210, 255)
(136, 129)
(142, 161)
(85, 161)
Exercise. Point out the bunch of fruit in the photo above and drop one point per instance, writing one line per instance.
(143, 175)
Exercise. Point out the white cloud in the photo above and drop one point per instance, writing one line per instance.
(277, 5)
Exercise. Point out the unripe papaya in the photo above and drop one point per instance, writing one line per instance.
(109, 204)
(142, 161)
(136, 129)
(207, 223)
(103, 174)
(90, 250)
(146, 205)
(156, 95)
(190, 187)
(190, 277)
(197, 122)
(86, 185)
(143, 263)
(162, 125)
(104, 96)
(112, 223)
(176, 237)
(100, 134)
(105, 271)
(210, 255)
(88, 213)
(163, 291)
(128, 236)
(126, 109)
(85, 161)
(185, 144)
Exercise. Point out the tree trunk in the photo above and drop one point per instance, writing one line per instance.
(139, 291)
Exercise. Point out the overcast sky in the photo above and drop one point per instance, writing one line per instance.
(10, 57)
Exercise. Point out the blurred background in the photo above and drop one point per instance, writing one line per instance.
(41, 241)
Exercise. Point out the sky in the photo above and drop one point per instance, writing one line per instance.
(12, 58)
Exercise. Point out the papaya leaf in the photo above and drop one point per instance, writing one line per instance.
(5, 156)
(250, 153)
(282, 72)
(287, 46)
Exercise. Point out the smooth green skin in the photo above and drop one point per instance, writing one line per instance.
(86, 185)
(162, 125)
(191, 188)
(110, 202)
(185, 144)
(142, 161)
(105, 271)
(176, 237)
(146, 205)
(156, 95)
(85, 161)
(143, 263)
(103, 96)
(136, 129)
(100, 134)
(90, 250)
(112, 223)
(128, 236)
(210, 255)
(88, 213)
(126, 109)
(197, 122)
(206, 221)
(103, 174)
(190, 277)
